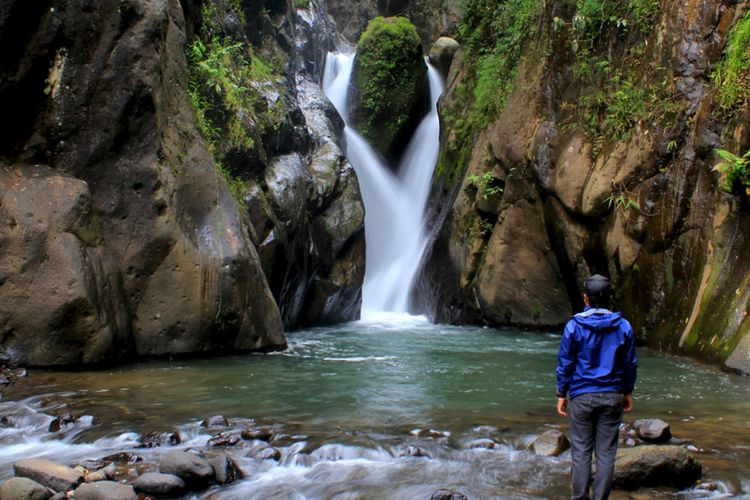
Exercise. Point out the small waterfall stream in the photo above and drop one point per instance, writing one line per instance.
(394, 203)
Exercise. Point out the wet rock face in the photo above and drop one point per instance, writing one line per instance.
(308, 216)
(137, 247)
(643, 207)
(299, 190)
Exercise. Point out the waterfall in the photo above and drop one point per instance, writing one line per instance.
(394, 203)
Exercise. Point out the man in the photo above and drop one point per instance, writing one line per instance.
(596, 369)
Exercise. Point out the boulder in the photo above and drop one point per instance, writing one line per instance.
(21, 488)
(128, 241)
(105, 490)
(123, 457)
(159, 484)
(653, 430)
(191, 468)
(486, 443)
(414, 451)
(444, 494)
(102, 474)
(388, 81)
(269, 453)
(442, 52)
(226, 469)
(48, 473)
(654, 465)
(550, 444)
(224, 439)
(152, 439)
(262, 434)
(215, 421)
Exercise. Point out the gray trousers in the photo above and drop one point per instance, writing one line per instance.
(594, 426)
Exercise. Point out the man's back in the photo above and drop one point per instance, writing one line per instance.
(597, 353)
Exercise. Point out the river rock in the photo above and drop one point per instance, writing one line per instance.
(444, 494)
(654, 465)
(123, 457)
(21, 488)
(262, 434)
(104, 490)
(191, 468)
(67, 420)
(9, 376)
(224, 439)
(152, 439)
(48, 473)
(486, 443)
(550, 444)
(269, 453)
(414, 451)
(215, 421)
(442, 52)
(159, 484)
(103, 474)
(653, 430)
(226, 469)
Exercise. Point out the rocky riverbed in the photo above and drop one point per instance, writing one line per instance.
(224, 457)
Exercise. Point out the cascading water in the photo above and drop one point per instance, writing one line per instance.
(394, 204)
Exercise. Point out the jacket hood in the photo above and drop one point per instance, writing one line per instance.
(598, 319)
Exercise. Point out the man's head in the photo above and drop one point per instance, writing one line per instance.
(598, 290)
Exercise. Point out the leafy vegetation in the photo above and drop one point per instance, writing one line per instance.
(494, 34)
(490, 187)
(390, 67)
(614, 99)
(226, 83)
(735, 171)
(731, 77)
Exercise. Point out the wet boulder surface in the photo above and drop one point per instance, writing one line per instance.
(120, 237)
(538, 190)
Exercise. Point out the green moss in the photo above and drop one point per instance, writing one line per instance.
(389, 69)
(731, 77)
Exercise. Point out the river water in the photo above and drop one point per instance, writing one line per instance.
(346, 401)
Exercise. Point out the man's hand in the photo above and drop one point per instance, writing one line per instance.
(562, 406)
(627, 402)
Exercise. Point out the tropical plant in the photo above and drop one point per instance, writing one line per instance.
(735, 171)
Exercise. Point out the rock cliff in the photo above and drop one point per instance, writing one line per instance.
(121, 235)
(596, 153)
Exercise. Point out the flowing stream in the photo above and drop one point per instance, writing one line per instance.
(346, 401)
(394, 203)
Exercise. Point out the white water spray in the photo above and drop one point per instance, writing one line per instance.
(394, 204)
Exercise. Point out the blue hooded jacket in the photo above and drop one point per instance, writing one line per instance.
(597, 354)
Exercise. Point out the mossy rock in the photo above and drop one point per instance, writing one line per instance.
(389, 80)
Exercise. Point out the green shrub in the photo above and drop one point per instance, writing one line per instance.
(735, 171)
(731, 77)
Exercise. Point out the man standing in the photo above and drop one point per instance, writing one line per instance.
(597, 369)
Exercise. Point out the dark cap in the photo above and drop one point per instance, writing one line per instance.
(597, 286)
